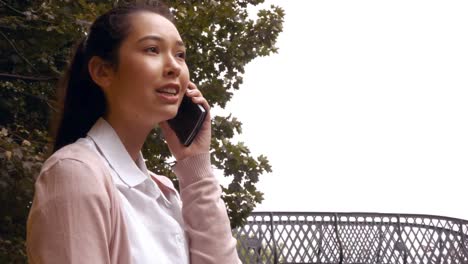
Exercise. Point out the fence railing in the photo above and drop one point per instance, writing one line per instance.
(292, 237)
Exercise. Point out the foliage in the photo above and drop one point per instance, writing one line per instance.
(18, 162)
(264, 253)
(36, 38)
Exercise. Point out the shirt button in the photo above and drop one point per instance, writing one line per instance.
(179, 238)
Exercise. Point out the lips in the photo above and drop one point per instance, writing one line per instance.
(167, 90)
(170, 89)
(168, 93)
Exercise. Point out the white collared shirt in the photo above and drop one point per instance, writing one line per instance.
(154, 221)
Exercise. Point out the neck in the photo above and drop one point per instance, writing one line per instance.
(132, 134)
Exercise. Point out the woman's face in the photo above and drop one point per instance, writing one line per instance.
(152, 76)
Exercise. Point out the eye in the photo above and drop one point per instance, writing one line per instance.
(152, 50)
(181, 55)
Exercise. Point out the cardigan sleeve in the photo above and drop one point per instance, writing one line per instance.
(70, 218)
(204, 212)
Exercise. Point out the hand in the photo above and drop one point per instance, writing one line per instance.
(202, 141)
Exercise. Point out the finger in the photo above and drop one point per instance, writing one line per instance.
(191, 86)
(194, 93)
(201, 100)
(197, 96)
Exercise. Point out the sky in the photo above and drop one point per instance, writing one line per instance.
(363, 109)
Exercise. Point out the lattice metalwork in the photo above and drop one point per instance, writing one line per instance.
(352, 238)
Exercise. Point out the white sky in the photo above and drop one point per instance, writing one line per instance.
(364, 108)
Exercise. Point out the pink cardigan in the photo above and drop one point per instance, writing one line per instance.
(76, 214)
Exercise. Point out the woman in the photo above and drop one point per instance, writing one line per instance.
(95, 201)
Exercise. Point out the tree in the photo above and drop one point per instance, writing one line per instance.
(36, 38)
(252, 250)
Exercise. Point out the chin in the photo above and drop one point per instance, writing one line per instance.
(171, 116)
(168, 113)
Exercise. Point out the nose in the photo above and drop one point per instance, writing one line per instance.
(171, 68)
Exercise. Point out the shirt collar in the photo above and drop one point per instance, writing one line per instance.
(113, 150)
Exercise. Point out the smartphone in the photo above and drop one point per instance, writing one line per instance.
(188, 121)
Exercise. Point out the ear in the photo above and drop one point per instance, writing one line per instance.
(101, 72)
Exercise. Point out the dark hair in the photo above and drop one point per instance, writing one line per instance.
(82, 101)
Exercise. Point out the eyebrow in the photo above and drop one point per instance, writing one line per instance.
(158, 38)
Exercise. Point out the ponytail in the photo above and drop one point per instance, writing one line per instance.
(82, 100)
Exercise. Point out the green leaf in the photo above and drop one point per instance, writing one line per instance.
(221, 40)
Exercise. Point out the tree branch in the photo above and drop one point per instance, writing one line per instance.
(17, 51)
(8, 76)
(12, 8)
(52, 104)
(21, 13)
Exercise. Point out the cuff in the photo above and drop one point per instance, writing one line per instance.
(193, 169)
